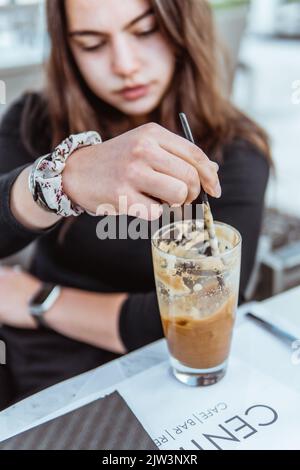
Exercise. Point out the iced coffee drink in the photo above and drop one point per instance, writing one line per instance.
(197, 295)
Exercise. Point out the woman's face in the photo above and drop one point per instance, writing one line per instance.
(123, 57)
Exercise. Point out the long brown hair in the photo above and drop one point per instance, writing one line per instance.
(197, 87)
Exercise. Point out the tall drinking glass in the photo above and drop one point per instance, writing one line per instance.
(197, 296)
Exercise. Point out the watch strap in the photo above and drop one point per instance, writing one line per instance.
(37, 308)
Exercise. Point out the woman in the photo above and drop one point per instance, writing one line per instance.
(114, 68)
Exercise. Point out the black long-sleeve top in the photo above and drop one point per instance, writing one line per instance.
(77, 258)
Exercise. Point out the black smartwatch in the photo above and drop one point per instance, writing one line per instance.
(42, 301)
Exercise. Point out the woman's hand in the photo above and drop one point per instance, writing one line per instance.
(16, 290)
(146, 165)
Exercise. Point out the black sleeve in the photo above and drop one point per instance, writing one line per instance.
(13, 159)
(139, 322)
(244, 175)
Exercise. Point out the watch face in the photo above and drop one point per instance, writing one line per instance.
(42, 295)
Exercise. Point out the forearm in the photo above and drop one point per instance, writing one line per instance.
(14, 236)
(88, 317)
(25, 210)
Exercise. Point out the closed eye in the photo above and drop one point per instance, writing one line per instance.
(93, 48)
(147, 33)
(142, 34)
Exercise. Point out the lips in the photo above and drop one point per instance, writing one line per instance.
(134, 93)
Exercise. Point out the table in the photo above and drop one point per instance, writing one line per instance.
(88, 386)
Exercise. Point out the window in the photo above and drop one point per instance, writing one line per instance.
(18, 2)
(22, 31)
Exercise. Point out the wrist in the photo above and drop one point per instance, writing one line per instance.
(46, 177)
(55, 315)
(25, 210)
(77, 177)
(42, 302)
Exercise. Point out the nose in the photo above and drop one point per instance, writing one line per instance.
(125, 61)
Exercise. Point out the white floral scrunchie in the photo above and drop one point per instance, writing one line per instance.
(45, 179)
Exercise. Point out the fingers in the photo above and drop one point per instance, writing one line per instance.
(165, 163)
(190, 154)
(192, 175)
(144, 207)
(165, 188)
(207, 170)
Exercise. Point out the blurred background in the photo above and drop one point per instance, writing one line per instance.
(263, 41)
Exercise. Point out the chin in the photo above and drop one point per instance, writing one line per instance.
(140, 107)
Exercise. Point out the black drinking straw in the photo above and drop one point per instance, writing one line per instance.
(189, 136)
(208, 218)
